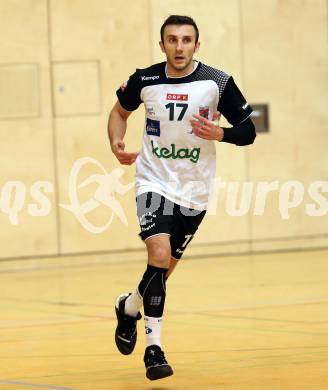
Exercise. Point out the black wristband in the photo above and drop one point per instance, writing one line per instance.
(241, 135)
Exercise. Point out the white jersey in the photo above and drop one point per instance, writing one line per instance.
(173, 161)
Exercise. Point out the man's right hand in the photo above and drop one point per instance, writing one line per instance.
(123, 157)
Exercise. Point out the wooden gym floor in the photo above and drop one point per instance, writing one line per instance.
(255, 322)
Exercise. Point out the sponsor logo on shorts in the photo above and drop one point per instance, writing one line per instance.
(174, 153)
(146, 221)
(177, 96)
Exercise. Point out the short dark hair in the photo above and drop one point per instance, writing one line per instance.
(179, 20)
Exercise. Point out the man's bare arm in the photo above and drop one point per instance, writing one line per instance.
(117, 123)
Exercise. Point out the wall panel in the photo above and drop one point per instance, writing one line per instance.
(286, 66)
(25, 128)
(82, 34)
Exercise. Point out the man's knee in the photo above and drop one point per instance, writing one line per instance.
(159, 253)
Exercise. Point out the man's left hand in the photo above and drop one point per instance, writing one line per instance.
(206, 129)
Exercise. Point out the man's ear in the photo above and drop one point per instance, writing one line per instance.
(197, 47)
(161, 44)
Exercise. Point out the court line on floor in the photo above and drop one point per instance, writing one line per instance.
(204, 309)
(135, 250)
(39, 385)
(109, 262)
(57, 303)
(263, 319)
(255, 306)
(183, 352)
(17, 324)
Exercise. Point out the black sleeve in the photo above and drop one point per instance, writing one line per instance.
(241, 135)
(233, 105)
(130, 98)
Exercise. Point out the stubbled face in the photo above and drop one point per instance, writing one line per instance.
(179, 46)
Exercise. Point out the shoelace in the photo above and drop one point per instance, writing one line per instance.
(158, 359)
(162, 358)
(128, 326)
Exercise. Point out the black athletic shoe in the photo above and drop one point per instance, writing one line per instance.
(156, 364)
(126, 330)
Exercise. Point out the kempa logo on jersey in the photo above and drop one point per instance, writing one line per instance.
(176, 96)
(145, 78)
(191, 154)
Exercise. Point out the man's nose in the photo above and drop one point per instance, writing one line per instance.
(179, 45)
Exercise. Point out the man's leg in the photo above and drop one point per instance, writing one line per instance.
(153, 285)
(155, 214)
(153, 289)
(151, 292)
(134, 301)
(173, 263)
(155, 224)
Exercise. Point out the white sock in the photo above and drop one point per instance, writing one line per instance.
(133, 304)
(153, 330)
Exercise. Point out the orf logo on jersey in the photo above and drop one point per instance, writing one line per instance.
(177, 96)
(203, 111)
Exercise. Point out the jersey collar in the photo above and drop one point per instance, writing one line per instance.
(197, 65)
